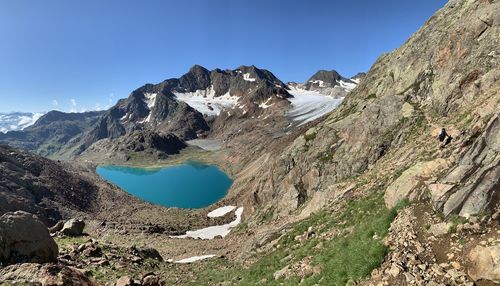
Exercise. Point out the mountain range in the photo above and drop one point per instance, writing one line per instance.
(13, 121)
(388, 178)
(192, 106)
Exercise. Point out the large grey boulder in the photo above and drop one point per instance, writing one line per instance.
(485, 263)
(73, 227)
(24, 238)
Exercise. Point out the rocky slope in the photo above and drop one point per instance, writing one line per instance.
(60, 190)
(385, 138)
(42, 187)
(397, 186)
(390, 122)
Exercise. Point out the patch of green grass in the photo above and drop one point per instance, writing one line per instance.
(456, 220)
(267, 215)
(350, 251)
(461, 241)
(310, 136)
(242, 227)
(371, 96)
(67, 242)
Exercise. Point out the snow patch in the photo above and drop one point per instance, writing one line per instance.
(206, 102)
(347, 85)
(248, 78)
(150, 99)
(221, 211)
(212, 231)
(310, 105)
(194, 259)
(264, 105)
(319, 82)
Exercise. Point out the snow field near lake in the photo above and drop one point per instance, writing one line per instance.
(193, 259)
(212, 231)
(221, 211)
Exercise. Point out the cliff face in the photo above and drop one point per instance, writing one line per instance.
(385, 131)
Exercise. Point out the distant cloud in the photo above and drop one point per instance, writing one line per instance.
(73, 105)
(98, 107)
(55, 103)
(111, 98)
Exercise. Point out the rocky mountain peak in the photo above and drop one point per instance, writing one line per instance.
(326, 83)
(324, 78)
(195, 79)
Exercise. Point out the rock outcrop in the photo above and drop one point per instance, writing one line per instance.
(485, 263)
(24, 238)
(44, 274)
(73, 227)
(445, 76)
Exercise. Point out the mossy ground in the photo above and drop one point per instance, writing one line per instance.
(353, 250)
(346, 246)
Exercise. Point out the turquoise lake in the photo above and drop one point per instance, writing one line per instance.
(189, 185)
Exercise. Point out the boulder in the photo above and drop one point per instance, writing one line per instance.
(57, 227)
(281, 273)
(73, 227)
(439, 229)
(484, 263)
(125, 281)
(409, 183)
(146, 252)
(150, 279)
(44, 274)
(24, 238)
(438, 192)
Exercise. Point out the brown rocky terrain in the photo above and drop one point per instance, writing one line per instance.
(397, 186)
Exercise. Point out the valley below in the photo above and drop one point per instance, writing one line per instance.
(233, 177)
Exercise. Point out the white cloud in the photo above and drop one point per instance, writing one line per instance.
(55, 103)
(73, 105)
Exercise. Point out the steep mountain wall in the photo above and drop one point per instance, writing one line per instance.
(444, 76)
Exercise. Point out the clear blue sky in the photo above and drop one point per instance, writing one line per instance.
(59, 54)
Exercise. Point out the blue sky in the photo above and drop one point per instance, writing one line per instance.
(75, 55)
